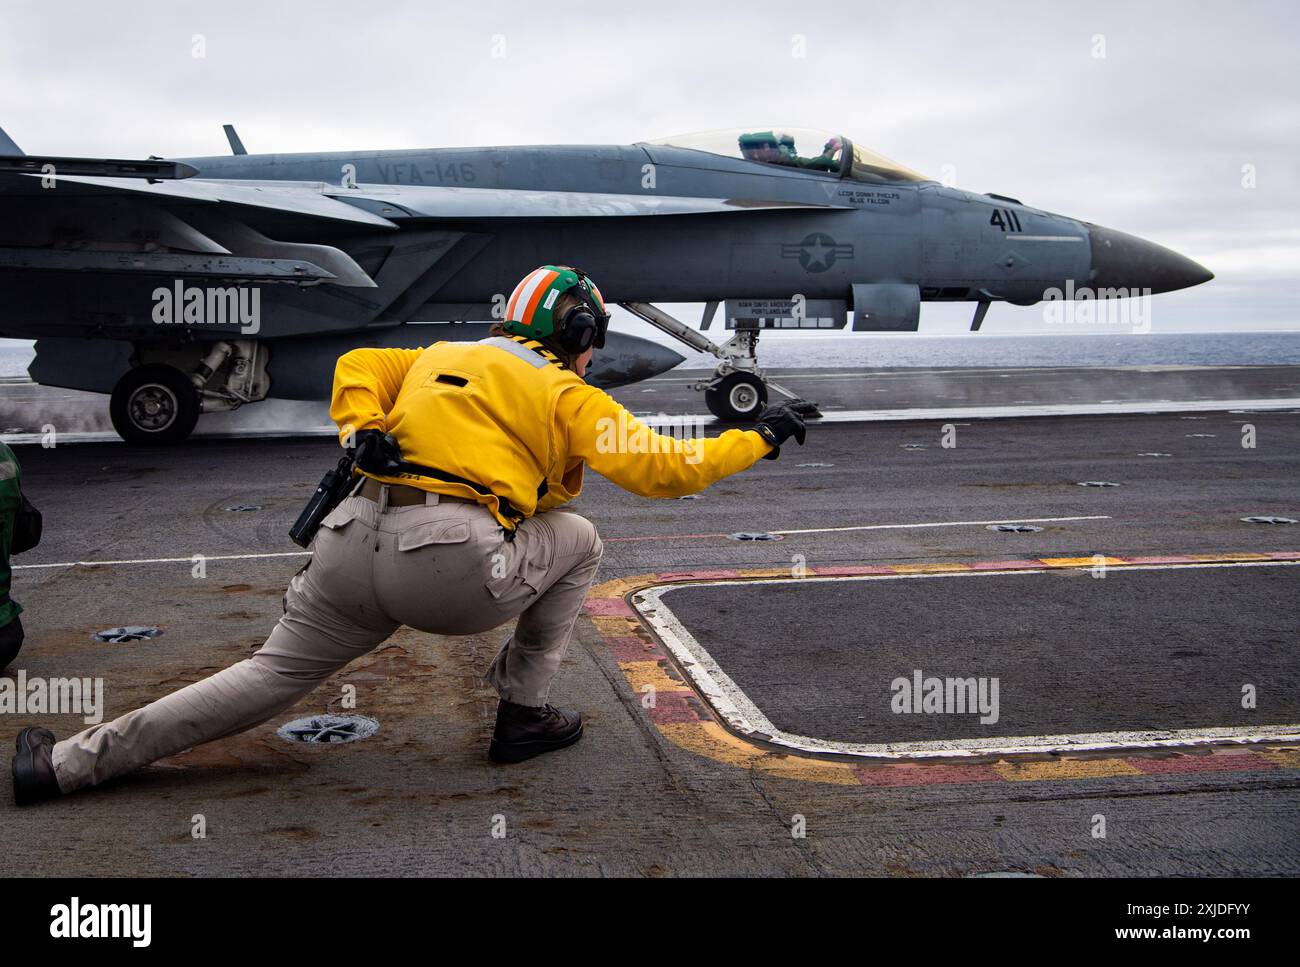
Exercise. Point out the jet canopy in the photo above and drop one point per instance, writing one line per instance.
(806, 148)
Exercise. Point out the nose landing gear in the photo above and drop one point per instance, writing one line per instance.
(736, 396)
(737, 390)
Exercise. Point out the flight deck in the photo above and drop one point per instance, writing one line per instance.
(743, 653)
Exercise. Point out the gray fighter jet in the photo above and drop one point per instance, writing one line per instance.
(181, 286)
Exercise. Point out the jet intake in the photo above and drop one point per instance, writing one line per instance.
(886, 307)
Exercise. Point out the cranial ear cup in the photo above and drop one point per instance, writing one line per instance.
(577, 330)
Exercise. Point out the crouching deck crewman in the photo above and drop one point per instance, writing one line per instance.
(468, 452)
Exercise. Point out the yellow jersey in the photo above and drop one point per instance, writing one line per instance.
(502, 413)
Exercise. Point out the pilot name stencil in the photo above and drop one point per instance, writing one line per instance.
(862, 196)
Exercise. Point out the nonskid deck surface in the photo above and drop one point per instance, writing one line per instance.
(661, 784)
(991, 658)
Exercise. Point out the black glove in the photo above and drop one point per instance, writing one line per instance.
(777, 424)
(377, 452)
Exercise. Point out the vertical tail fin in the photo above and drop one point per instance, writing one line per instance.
(7, 146)
(236, 146)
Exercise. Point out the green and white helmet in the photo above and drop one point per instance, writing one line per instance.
(530, 308)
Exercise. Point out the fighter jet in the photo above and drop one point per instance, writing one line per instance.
(197, 284)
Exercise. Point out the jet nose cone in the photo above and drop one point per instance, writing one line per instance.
(629, 359)
(1121, 261)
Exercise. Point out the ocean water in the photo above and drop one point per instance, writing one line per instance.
(988, 350)
(847, 350)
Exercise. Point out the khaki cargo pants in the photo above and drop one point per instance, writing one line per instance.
(443, 567)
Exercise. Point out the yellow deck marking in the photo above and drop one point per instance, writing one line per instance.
(1083, 561)
(615, 626)
(712, 741)
(1038, 771)
(639, 674)
(807, 770)
(1287, 758)
(620, 586)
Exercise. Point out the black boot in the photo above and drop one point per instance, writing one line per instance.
(11, 641)
(524, 731)
(33, 767)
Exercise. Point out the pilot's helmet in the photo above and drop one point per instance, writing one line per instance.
(757, 140)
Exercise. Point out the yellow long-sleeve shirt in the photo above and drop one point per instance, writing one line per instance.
(497, 413)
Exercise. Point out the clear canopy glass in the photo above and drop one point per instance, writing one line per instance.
(805, 148)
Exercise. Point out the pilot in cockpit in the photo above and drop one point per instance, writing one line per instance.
(832, 152)
(772, 147)
(765, 146)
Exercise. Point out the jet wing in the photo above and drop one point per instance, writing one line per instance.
(200, 227)
(290, 197)
(382, 251)
(432, 201)
(380, 205)
(152, 168)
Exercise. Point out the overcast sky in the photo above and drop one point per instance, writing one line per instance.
(1135, 115)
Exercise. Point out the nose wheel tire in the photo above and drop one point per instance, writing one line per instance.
(154, 405)
(736, 398)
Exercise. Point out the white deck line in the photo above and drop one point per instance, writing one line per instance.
(953, 413)
(945, 413)
(161, 560)
(943, 523)
(746, 719)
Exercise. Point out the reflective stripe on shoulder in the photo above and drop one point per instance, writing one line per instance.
(512, 347)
